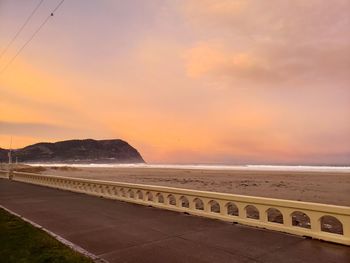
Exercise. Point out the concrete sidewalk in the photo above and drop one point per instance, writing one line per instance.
(124, 232)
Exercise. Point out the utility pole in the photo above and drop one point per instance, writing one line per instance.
(10, 161)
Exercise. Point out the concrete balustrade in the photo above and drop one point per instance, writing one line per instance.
(299, 218)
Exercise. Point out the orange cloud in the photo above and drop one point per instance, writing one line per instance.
(197, 85)
(213, 59)
(217, 9)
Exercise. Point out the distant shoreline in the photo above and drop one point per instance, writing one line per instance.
(296, 168)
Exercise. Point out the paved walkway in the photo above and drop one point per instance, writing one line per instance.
(124, 232)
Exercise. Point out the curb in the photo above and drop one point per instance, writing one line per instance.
(59, 238)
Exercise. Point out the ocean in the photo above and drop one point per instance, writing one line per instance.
(301, 168)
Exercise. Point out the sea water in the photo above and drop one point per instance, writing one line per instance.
(301, 168)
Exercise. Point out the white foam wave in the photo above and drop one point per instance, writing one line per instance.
(209, 167)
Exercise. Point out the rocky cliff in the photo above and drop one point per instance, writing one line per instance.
(76, 151)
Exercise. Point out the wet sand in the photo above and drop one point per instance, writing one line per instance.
(319, 187)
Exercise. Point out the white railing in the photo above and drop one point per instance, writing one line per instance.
(299, 218)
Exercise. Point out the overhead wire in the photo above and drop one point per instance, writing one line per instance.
(32, 36)
(21, 28)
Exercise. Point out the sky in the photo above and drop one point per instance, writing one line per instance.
(183, 81)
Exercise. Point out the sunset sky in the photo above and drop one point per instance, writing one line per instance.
(183, 81)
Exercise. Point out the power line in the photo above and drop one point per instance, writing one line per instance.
(25, 44)
(21, 28)
(32, 36)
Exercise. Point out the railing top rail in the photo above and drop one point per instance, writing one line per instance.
(344, 210)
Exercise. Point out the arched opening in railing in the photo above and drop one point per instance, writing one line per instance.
(87, 187)
(95, 188)
(131, 193)
(274, 215)
(101, 189)
(160, 198)
(331, 224)
(214, 206)
(122, 192)
(114, 191)
(139, 194)
(171, 199)
(149, 196)
(107, 190)
(198, 204)
(184, 202)
(91, 187)
(232, 209)
(82, 186)
(300, 219)
(252, 212)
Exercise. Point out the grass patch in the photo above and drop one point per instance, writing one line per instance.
(20, 242)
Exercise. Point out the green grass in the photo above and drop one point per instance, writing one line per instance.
(20, 242)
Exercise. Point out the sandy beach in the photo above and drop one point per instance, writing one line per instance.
(311, 186)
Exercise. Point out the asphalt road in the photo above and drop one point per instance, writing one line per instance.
(124, 232)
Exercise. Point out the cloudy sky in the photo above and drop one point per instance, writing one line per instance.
(184, 81)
